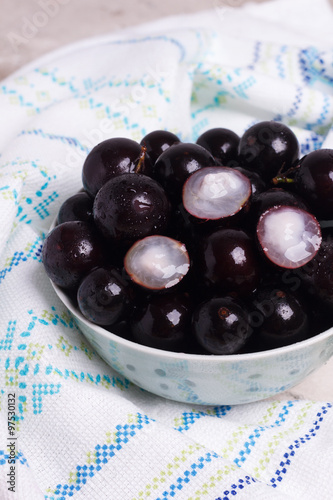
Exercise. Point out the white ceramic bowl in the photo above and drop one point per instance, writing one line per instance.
(207, 379)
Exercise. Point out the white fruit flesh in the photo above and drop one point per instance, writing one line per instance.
(216, 192)
(157, 262)
(289, 236)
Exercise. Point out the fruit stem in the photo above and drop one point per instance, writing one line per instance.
(282, 179)
(142, 157)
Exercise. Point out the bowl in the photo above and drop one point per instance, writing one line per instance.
(206, 379)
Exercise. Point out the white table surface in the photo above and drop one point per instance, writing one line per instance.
(73, 20)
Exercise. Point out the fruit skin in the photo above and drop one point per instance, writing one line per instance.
(317, 275)
(313, 181)
(267, 147)
(110, 158)
(163, 321)
(130, 207)
(104, 296)
(157, 141)
(222, 143)
(278, 317)
(70, 251)
(177, 163)
(221, 325)
(226, 260)
(76, 207)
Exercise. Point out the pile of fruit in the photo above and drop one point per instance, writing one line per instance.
(219, 247)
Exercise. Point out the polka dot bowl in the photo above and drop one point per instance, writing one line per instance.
(206, 379)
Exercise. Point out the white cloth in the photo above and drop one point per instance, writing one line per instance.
(83, 431)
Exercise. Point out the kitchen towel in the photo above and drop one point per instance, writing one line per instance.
(80, 429)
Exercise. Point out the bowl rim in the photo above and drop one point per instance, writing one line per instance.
(215, 358)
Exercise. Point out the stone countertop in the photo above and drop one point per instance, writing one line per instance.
(32, 28)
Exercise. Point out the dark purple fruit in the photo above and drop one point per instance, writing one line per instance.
(314, 182)
(213, 193)
(163, 321)
(221, 325)
(317, 275)
(111, 158)
(289, 236)
(157, 262)
(157, 141)
(130, 207)
(222, 143)
(76, 207)
(70, 251)
(177, 163)
(104, 296)
(227, 261)
(267, 147)
(279, 318)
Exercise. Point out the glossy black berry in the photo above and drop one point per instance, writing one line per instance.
(70, 251)
(227, 261)
(104, 296)
(221, 325)
(163, 321)
(76, 207)
(279, 318)
(111, 158)
(314, 182)
(222, 143)
(130, 207)
(267, 147)
(158, 141)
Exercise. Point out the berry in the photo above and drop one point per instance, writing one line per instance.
(222, 143)
(76, 207)
(157, 262)
(111, 158)
(104, 296)
(314, 182)
(216, 192)
(280, 318)
(227, 261)
(267, 147)
(221, 325)
(70, 251)
(130, 207)
(157, 141)
(163, 321)
(289, 236)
